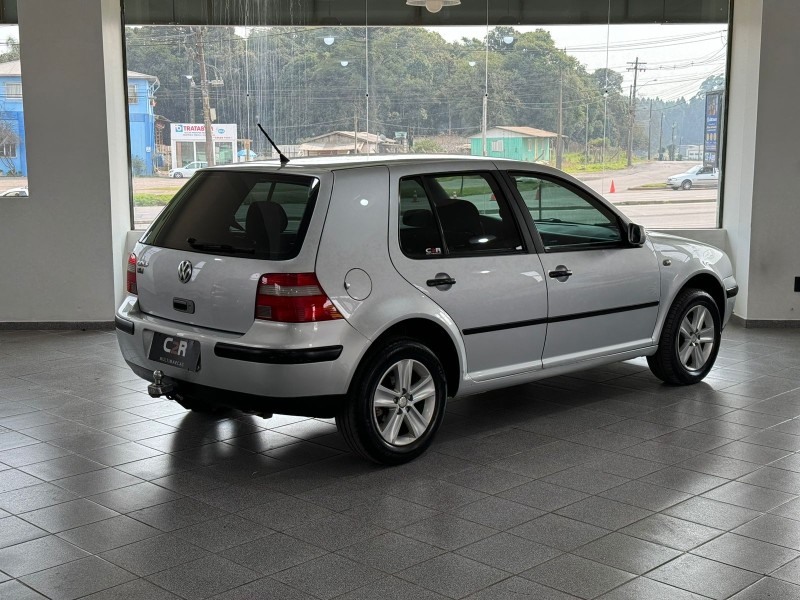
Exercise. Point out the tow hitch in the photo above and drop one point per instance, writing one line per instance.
(158, 388)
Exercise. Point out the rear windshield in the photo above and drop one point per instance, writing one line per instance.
(234, 213)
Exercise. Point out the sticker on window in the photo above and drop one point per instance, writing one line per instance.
(433, 251)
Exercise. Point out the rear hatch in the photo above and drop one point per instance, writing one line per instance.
(205, 253)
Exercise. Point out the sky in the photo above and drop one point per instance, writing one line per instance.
(678, 57)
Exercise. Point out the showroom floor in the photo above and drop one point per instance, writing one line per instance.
(606, 484)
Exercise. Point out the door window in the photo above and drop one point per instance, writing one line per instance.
(566, 221)
(455, 214)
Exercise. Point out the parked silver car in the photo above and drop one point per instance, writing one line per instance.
(372, 289)
(697, 176)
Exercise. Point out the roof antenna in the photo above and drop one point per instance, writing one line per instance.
(283, 158)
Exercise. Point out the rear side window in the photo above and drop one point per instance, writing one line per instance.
(455, 214)
(258, 215)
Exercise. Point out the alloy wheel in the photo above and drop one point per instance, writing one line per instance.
(404, 402)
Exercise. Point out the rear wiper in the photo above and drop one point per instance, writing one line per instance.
(218, 247)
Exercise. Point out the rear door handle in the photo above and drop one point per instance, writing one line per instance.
(560, 272)
(441, 279)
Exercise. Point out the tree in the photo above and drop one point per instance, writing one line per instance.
(8, 136)
(12, 50)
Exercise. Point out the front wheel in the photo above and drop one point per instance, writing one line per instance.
(686, 185)
(396, 403)
(689, 341)
(178, 176)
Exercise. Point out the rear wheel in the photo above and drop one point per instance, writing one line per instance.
(689, 340)
(396, 403)
(686, 185)
(178, 176)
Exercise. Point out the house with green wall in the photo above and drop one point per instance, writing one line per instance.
(517, 143)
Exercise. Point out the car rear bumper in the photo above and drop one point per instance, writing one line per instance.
(270, 361)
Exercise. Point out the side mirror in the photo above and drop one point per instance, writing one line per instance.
(636, 234)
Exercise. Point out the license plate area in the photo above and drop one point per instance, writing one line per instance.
(175, 351)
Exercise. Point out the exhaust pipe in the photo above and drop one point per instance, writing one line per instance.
(158, 388)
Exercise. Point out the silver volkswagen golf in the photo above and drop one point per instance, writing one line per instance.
(373, 289)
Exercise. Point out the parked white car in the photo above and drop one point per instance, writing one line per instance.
(372, 289)
(697, 176)
(188, 170)
(16, 192)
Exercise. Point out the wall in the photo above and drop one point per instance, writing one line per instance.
(62, 246)
(762, 169)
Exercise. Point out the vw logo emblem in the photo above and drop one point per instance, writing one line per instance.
(185, 271)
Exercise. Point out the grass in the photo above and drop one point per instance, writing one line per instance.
(152, 199)
(576, 163)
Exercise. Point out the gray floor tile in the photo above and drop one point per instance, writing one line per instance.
(761, 455)
(108, 534)
(120, 454)
(28, 455)
(702, 576)
(517, 588)
(392, 588)
(334, 532)
(509, 552)
(170, 516)
(605, 513)
(390, 513)
(447, 531)
(134, 497)
(12, 479)
(154, 554)
(559, 532)
(14, 590)
(585, 479)
(542, 495)
(14, 530)
(390, 552)
(712, 513)
(627, 553)
(497, 513)
(138, 589)
(719, 466)
(263, 589)
(223, 532)
(578, 576)
(773, 529)
(68, 515)
(749, 496)
(203, 578)
(770, 588)
(59, 468)
(789, 572)
(97, 482)
(671, 532)
(440, 495)
(287, 512)
(645, 495)
(642, 588)
(453, 576)
(746, 553)
(328, 576)
(790, 510)
(684, 480)
(273, 553)
(34, 497)
(37, 555)
(487, 479)
(775, 479)
(75, 579)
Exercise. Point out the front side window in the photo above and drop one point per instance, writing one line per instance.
(455, 214)
(564, 219)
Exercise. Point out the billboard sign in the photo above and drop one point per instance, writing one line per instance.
(713, 122)
(196, 132)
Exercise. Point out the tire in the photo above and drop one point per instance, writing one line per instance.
(686, 185)
(685, 355)
(178, 176)
(384, 433)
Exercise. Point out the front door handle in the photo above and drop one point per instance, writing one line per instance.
(441, 280)
(561, 273)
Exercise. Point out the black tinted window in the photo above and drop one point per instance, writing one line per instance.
(565, 220)
(419, 232)
(234, 213)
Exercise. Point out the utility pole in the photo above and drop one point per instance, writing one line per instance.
(660, 137)
(672, 154)
(587, 135)
(559, 140)
(201, 56)
(649, 130)
(637, 66)
(192, 115)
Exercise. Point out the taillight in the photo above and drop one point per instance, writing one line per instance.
(130, 276)
(293, 298)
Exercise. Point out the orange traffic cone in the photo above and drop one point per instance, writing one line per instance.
(613, 189)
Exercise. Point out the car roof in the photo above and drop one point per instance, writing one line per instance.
(331, 163)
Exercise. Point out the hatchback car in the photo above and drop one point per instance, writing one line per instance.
(188, 170)
(697, 176)
(373, 289)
